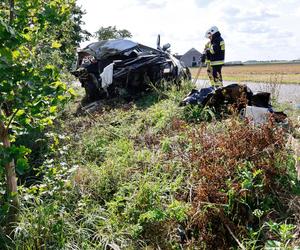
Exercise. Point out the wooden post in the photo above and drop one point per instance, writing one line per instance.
(11, 181)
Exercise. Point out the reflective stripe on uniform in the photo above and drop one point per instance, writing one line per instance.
(217, 84)
(214, 63)
(222, 44)
(207, 45)
(211, 48)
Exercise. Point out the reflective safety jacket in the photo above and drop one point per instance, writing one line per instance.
(216, 50)
(207, 57)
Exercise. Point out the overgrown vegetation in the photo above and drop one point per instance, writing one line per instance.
(148, 174)
(37, 44)
(145, 174)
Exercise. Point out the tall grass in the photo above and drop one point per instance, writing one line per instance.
(152, 175)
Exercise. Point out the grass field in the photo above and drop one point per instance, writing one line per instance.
(281, 73)
(152, 175)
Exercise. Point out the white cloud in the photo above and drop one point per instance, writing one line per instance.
(252, 29)
(153, 3)
(203, 3)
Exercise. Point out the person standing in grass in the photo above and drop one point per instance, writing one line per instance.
(215, 54)
(206, 60)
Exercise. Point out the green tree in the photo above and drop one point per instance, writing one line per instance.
(37, 39)
(111, 32)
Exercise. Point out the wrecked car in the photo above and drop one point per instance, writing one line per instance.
(106, 68)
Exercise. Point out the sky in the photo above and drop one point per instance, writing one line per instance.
(252, 29)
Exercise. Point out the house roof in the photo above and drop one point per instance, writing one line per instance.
(192, 51)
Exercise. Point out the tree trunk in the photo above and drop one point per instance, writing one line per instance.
(11, 181)
(11, 11)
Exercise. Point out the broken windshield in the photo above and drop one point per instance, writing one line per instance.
(104, 49)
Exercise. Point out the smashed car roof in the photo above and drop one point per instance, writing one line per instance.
(103, 49)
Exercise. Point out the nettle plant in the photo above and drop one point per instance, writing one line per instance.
(33, 45)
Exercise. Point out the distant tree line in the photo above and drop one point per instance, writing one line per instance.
(111, 32)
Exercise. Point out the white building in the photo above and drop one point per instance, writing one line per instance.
(191, 58)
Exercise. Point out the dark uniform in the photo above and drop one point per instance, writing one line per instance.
(216, 54)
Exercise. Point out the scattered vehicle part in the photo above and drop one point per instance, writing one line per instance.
(106, 67)
(230, 94)
(257, 115)
(198, 96)
(261, 99)
(236, 95)
(255, 107)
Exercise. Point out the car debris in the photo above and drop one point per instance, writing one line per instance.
(218, 97)
(257, 115)
(106, 68)
(255, 107)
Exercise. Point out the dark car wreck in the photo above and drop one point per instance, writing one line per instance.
(106, 68)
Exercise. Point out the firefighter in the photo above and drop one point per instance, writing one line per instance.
(215, 52)
(206, 60)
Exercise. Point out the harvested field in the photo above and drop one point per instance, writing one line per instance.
(279, 73)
